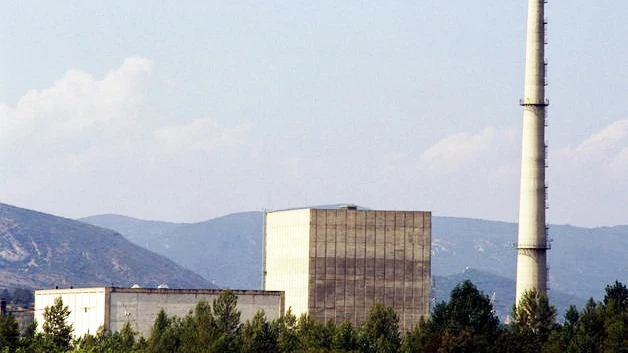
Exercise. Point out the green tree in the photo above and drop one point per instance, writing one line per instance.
(415, 340)
(205, 324)
(615, 314)
(345, 338)
(9, 333)
(380, 331)
(616, 297)
(288, 339)
(163, 337)
(228, 321)
(198, 332)
(105, 341)
(226, 312)
(258, 335)
(534, 319)
(55, 327)
(466, 323)
(310, 335)
(561, 338)
(127, 337)
(30, 340)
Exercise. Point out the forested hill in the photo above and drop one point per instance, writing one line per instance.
(228, 250)
(39, 250)
(225, 250)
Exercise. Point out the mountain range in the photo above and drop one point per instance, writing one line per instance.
(39, 250)
(225, 250)
(228, 251)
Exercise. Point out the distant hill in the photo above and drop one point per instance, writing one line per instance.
(39, 250)
(582, 261)
(228, 250)
(225, 250)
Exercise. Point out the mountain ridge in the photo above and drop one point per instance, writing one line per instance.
(457, 243)
(40, 250)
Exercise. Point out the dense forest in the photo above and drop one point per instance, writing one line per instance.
(465, 323)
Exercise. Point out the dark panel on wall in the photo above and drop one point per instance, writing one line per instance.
(363, 257)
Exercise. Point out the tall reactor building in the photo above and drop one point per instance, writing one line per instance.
(336, 263)
(532, 244)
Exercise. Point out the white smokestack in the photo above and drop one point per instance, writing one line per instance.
(532, 242)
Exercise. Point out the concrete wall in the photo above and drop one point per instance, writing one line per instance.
(359, 258)
(355, 258)
(286, 257)
(87, 307)
(111, 308)
(140, 306)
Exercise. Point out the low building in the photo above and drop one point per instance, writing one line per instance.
(112, 307)
(336, 263)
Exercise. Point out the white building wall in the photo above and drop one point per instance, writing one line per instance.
(287, 255)
(86, 305)
(111, 308)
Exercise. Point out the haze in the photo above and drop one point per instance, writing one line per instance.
(191, 110)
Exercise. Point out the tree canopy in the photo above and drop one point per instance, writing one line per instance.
(464, 323)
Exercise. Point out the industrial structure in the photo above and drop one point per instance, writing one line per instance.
(336, 263)
(112, 307)
(532, 244)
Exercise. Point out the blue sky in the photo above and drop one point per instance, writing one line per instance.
(184, 111)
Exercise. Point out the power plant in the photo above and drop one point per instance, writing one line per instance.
(532, 243)
(334, 264)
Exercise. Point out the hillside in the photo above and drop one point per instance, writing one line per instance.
(582, 261)
(225, 250)
(228, 250)
(38, 250)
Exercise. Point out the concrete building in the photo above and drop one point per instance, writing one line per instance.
(336, 263)
(111, 307)
(532, 243)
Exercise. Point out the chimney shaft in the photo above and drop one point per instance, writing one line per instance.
(532, 242)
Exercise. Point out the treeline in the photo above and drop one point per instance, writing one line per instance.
(466, 323)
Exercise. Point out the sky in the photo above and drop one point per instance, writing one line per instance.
(188, 110)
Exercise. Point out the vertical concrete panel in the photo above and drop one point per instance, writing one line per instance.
(140, 307)
(360, 266)
(86, 307)
(399, 261)
(287, 256)
(361, 257)
(370, 268)
(321, 262)
(350, 261)
(426, 236)
(379, 255)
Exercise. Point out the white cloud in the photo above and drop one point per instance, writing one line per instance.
(84, 146)
(464, 150)
(77, 101)
(477, 175)
(605, 150)
(201, 134)
(72, 114)
(588, 182)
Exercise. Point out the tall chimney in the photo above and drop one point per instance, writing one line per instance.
(532, 244)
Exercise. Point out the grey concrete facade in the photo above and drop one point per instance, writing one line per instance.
(112, 308)
(336, 263)
(532, 244)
